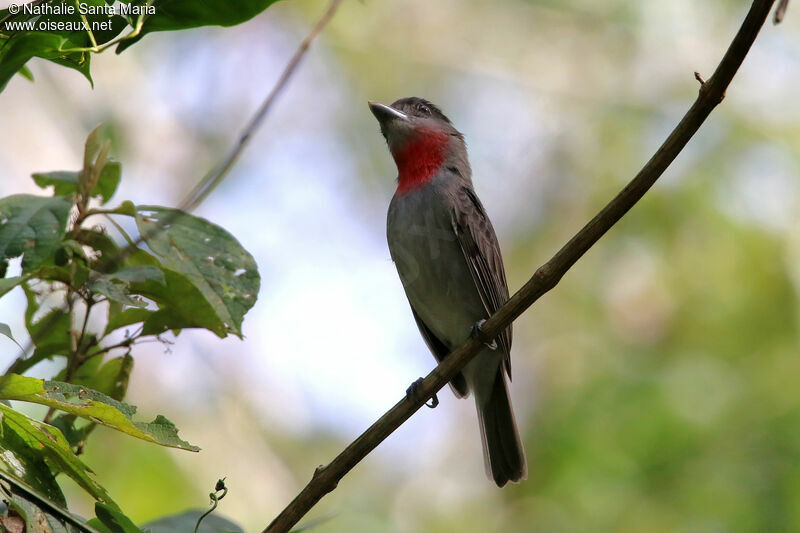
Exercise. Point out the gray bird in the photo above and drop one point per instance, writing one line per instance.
(448, 259)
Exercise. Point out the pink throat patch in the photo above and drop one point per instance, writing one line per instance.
(419, 160)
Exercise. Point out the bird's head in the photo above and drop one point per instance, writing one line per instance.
(422, 141)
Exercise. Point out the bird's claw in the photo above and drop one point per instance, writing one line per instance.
(478, 333)
(412, 393)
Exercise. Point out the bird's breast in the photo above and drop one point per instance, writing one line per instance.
(431, 264)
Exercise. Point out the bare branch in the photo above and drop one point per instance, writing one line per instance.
(712, 92)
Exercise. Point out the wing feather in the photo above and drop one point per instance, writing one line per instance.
(482, 252)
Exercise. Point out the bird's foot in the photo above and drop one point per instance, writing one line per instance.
(412, 393)
(478, 333)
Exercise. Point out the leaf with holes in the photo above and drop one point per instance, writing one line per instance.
(93, 405)
(54, 449)
(27, 463)
(32, 226)
(210, 258)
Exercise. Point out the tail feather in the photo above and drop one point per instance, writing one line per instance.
(503, 454)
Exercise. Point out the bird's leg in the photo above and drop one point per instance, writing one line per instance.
(412, 393)
(478, 333)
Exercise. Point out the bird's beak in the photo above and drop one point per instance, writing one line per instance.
(386, 114)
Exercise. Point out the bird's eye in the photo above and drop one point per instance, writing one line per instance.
(423, 109)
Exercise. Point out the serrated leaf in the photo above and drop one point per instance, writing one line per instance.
(93, 405)
(55, 450)
(32, 226)
(186, 521)
(210, 257)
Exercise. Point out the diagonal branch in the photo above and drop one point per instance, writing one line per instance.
(712, 92)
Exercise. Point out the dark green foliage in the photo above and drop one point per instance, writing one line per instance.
(195, 275)
(27, 35)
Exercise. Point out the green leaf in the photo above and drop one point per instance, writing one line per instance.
(68, 183)
(139, 274)
(27, 464)
(210, 257)
(126, 208)
(112, 378)
(95, 406)
(5, 329)
(26, 73)
(51, 334)
(184, 14)
(107, 249)
(186, 521)
(64, 182)
(35, 510)
(32, 226)
(7, 284)
(111, 520)
(54, 448)
(118, 285)
(93, 146)
(108, 181)
(119, 318)
(116, 292)
(21, 47)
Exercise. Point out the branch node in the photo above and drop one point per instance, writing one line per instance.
(318, 471)
(699, 78)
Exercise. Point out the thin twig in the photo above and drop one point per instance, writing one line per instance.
(780, 11)
(712, 92)
(213, 178)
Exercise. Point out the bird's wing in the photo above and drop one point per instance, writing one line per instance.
(440, 351)
(479, 243)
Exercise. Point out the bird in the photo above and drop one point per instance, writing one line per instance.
(449, 263)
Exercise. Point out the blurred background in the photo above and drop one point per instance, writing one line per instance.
(656, 386)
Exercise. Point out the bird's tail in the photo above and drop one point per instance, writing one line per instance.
(503, 454)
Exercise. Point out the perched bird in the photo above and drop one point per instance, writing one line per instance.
(448, 259)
